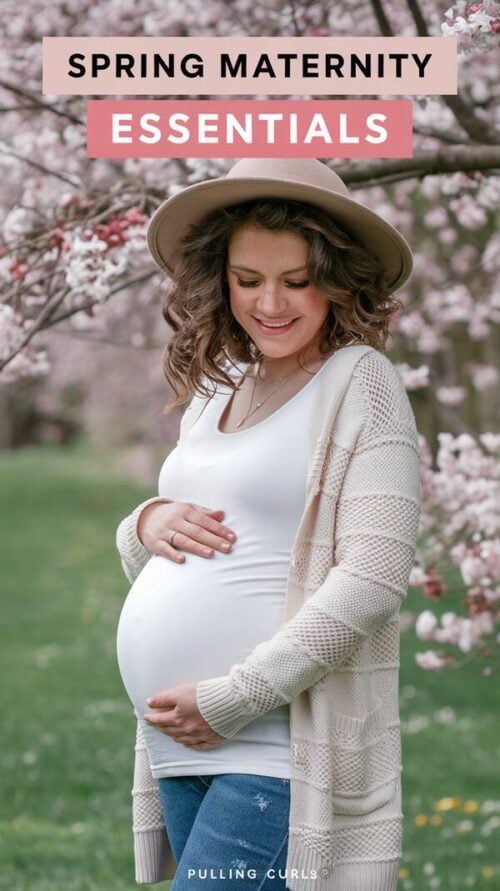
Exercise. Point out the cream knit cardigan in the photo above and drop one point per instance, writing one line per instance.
(335, 658)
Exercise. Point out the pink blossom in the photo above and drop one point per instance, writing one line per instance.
(472, 25)
(468, 212)
(417, 577)
(482, 375)
(436, 218)
(491, 253)
(447, 235)
(450, 395)
(27, 362)
(17, 269)
(430, 661)
(426, 625)
(434, 585)
(414, 378)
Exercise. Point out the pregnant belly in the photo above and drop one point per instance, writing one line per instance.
(182, 623)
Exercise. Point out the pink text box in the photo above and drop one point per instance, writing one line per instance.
(290, 66)
(240, 128)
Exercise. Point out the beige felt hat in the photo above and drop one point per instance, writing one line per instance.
(299, 179)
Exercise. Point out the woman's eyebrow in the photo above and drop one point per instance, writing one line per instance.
(287, 272)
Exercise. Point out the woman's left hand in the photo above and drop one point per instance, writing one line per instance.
(177, 714)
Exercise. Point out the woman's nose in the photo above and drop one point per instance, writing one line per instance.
(271, 298)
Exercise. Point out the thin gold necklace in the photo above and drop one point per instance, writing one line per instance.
(281, 381)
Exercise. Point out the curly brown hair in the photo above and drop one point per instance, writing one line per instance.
(196, 302)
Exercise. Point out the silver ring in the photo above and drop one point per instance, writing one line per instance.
(172, 537)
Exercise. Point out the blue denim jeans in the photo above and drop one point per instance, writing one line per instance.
(231, 827)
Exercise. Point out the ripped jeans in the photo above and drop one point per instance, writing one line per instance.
(231, 827)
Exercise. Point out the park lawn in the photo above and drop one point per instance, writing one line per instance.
(69, 730)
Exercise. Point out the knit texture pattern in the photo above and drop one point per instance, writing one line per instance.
(335, 658)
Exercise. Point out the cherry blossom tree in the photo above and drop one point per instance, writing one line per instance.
(73, 257)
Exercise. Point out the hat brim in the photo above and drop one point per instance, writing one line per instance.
(172, 219)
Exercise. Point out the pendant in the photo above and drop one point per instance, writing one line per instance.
(244, 419)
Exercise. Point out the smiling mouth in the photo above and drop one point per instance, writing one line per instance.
(275, 327)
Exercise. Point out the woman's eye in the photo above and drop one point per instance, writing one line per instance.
(245, 284)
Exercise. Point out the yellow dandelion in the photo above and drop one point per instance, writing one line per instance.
(421, 819)
(404, 873)
(447, 804)
(488, 872)
(436, 820)
(470, 806)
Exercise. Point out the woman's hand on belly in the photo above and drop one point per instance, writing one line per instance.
(177, 715)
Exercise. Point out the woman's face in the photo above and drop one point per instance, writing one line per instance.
(267, 278)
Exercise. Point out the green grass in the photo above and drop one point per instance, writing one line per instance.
(68, 728)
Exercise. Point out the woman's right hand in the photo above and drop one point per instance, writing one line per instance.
(199, 530)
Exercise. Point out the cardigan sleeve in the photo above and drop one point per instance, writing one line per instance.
(152, 849)
(376, 527)
(133, 553)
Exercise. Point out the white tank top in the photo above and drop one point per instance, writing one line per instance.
(187, 622)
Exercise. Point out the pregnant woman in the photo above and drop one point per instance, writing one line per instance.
(259, 643)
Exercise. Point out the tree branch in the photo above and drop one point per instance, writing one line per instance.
(446, 159)
(38, 103)
(46, 312)
(46, 320)
(6, 108)
(8, 151)
(478, 129)
(382, 20)
(444, 136)
(418, 18)
(91, 303)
